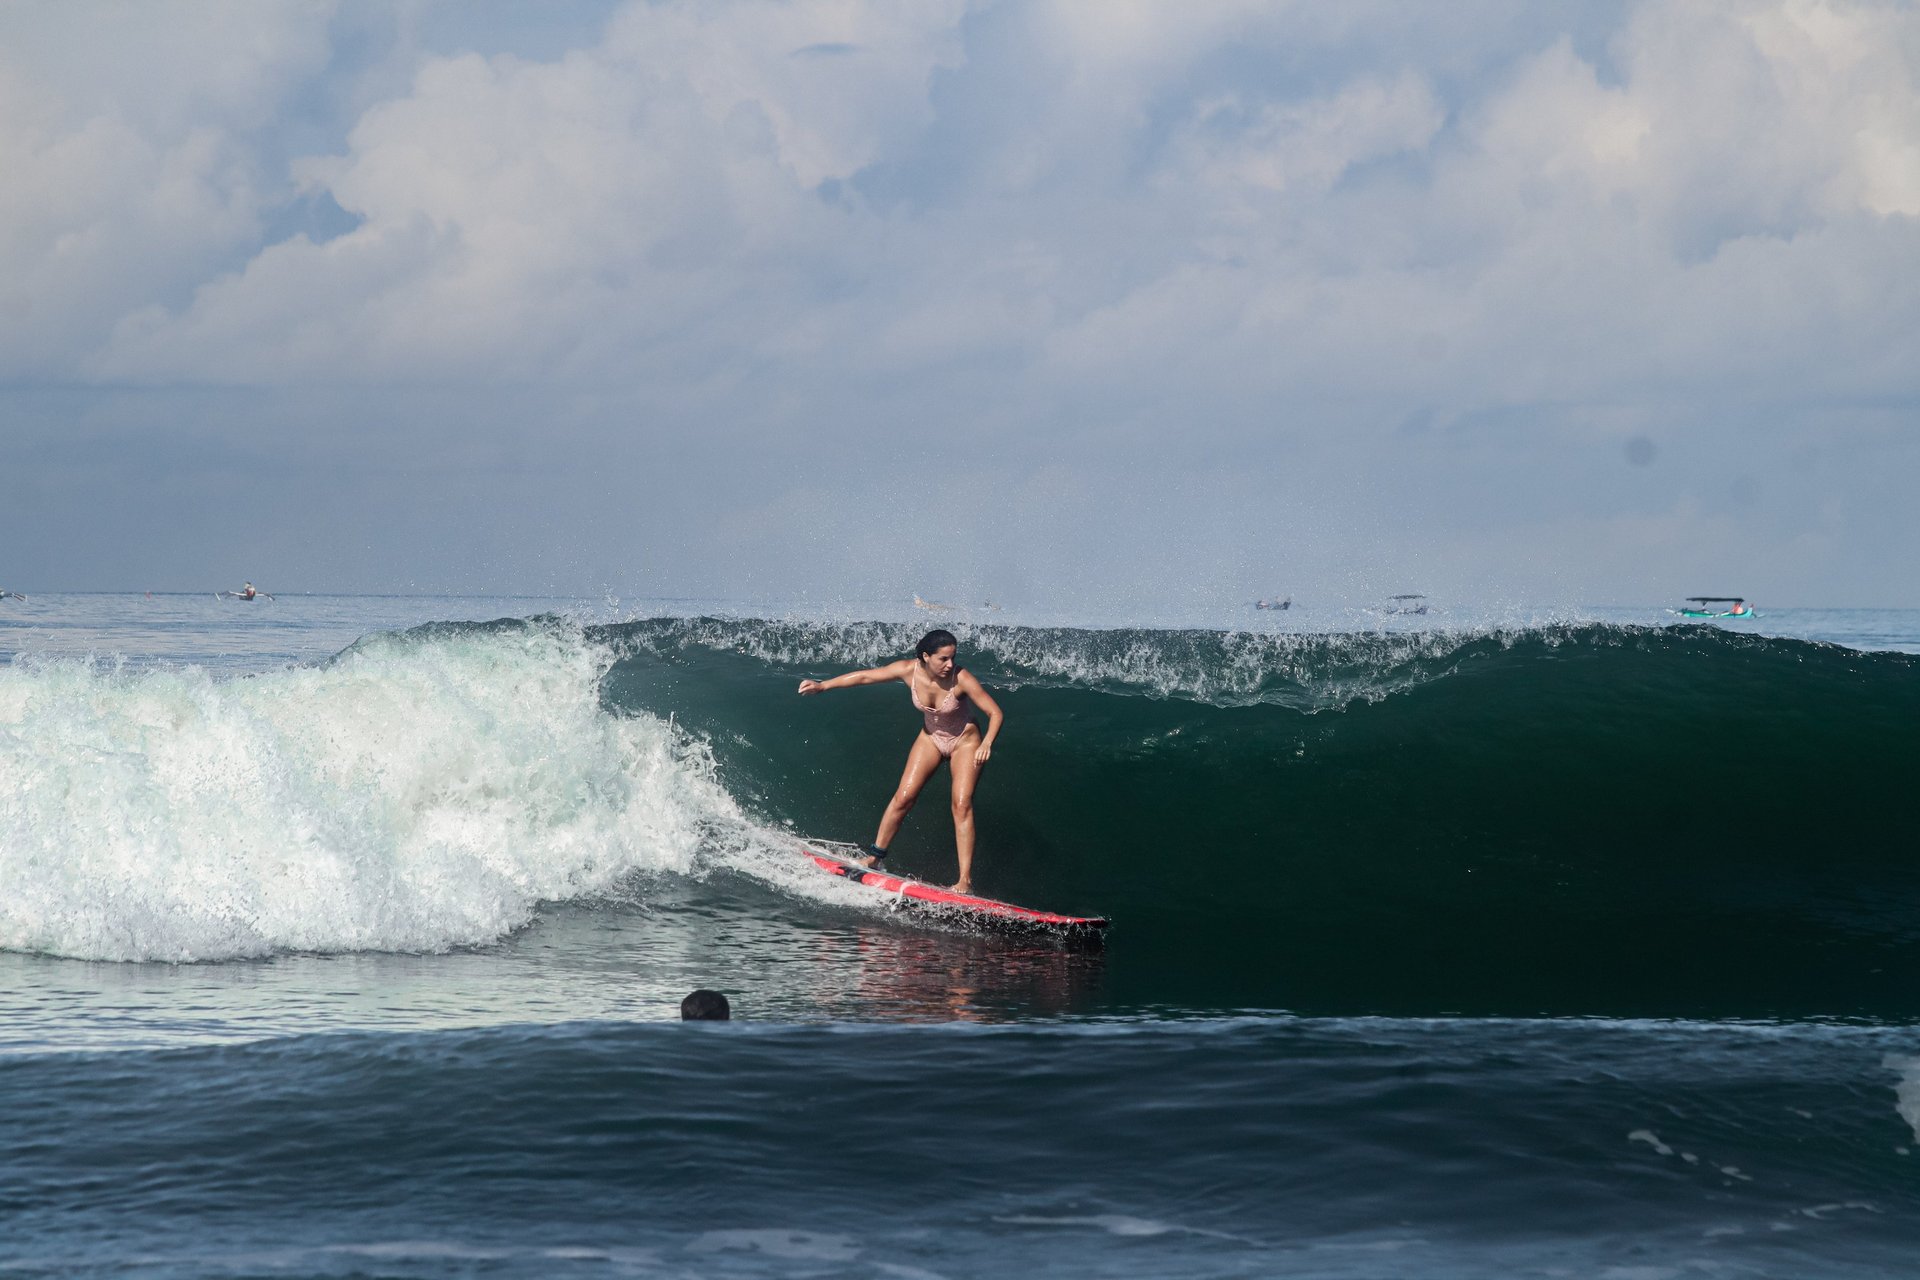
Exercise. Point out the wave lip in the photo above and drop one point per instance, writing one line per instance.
(1222, 668)
(1304, 671)
(414, 794)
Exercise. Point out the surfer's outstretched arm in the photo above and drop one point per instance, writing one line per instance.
(901, 670)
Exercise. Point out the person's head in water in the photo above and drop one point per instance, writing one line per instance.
(938, 653)
(705, 1006)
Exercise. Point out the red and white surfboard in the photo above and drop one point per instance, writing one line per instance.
(946, 901)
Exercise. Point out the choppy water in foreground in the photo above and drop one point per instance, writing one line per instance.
(331, 930)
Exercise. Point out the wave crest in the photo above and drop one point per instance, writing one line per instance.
(1303, 671)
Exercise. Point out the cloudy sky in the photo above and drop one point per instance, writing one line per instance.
(1106, 301)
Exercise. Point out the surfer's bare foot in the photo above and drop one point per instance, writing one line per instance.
(965, 886)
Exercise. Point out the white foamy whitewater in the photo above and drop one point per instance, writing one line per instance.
(414, 794)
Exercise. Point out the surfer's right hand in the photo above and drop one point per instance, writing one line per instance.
(811, 686)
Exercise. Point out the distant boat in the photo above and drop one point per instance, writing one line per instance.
(1408, 604)
(1703, 607)
(1273, 604)
(11, 595)
(934, 606)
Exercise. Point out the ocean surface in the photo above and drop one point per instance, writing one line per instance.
(345, 936)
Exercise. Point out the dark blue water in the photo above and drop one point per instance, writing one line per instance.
(1245, 1147)
(332, 943)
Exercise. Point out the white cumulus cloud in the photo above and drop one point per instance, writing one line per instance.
(1355, 241)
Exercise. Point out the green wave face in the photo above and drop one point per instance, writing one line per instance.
(1586, 820)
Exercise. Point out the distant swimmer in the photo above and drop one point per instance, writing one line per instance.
(944, 693)
(705, 1006)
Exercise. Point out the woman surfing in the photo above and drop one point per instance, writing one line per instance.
(945, 694)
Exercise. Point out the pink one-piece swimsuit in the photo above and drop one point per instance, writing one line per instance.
(946, 719)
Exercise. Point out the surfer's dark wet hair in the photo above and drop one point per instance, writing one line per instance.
(934, 641)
